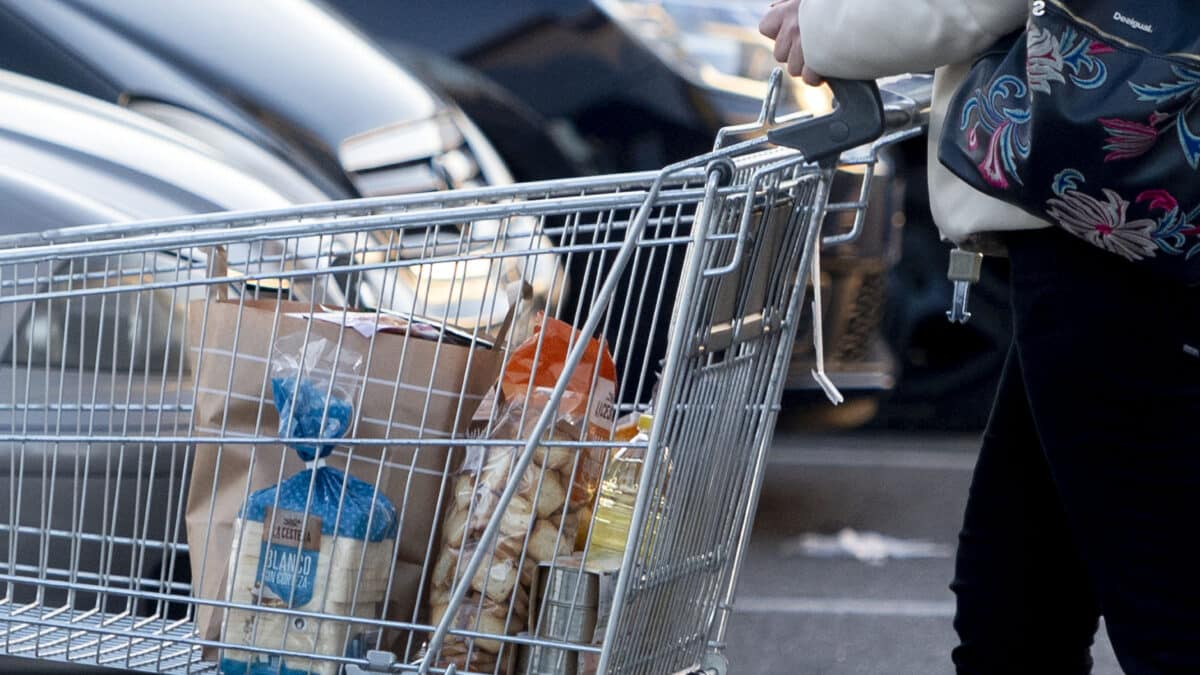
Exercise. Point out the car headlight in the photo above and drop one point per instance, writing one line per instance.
(443, 151)
(468, 287)
(435, 153)
(713, 43)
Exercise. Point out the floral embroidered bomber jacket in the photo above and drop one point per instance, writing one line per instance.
(868, 39)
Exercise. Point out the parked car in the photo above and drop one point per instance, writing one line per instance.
(626, 84)
(65, 160)
(632, 84)
(636, 84)
(310, 93)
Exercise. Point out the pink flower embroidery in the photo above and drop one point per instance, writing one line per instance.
(1158, 200)
(1128, 139)
(992, 168)
(1165, 202)
(1104, 223)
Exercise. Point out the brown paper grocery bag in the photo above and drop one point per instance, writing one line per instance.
(413, 388)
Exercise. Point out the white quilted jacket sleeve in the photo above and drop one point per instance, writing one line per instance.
(867, 39)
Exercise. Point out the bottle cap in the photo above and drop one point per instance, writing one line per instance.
(645, 422)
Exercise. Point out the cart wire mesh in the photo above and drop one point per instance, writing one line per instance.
(137, 422)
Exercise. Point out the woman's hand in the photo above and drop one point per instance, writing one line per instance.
(781, 24)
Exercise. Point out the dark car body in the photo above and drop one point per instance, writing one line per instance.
(285, 76)
(619, 103)
(288, 76)
(569, 61)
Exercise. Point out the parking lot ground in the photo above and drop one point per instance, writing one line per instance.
(805, 615)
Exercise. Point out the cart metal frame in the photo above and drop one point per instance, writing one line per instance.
(746, 222)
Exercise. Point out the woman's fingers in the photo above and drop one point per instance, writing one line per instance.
(783, 47)
(781, 24)
(811, 78)
(771, 22)
(795, 59)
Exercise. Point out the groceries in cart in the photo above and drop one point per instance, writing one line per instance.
(625, 431)
(572, 600)
(102, 588)
(320, 540)
(541, 522)
(617, 495)
(386, 427)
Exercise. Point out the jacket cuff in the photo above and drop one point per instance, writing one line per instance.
(869, 39)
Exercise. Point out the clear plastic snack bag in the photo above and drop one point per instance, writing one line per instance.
(542, 520)
(319, 541)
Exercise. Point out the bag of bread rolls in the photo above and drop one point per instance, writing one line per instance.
(541, 522)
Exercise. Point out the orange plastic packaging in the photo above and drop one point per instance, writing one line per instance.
(522, 376)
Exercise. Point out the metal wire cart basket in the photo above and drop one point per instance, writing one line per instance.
(498, 430)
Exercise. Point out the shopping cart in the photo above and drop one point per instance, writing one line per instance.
(111, 551)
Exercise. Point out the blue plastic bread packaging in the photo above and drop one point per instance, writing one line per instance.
(320, 458)
(320, 540)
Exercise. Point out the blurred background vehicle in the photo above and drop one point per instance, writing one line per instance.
(305, 104)
(623, 84)
(183, 108)
(616, 85)
(628, 84)
(68, 159)
(65, 160)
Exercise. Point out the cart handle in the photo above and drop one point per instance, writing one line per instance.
(858, 119)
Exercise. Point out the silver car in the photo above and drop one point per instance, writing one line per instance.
(69, 160)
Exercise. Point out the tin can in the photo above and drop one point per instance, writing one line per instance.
(565, 601)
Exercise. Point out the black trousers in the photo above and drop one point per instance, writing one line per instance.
(1086, 497)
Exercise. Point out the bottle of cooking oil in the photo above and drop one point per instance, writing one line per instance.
(618, 493)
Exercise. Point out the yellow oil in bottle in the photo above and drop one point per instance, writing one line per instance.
(617, 495)
(626, 431)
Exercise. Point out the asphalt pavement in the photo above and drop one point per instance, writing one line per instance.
(799, 612)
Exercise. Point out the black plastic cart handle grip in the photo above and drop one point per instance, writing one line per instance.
(857, 119)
